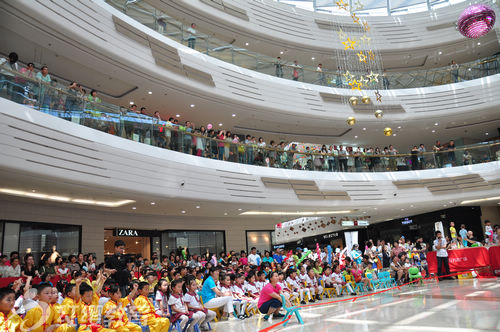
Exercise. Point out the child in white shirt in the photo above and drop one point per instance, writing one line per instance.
(202, 315)
(180, 310)
(286, 290)
(297, 286)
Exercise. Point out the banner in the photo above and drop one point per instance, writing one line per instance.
(351, 238)
(461, 259)
(495, 259)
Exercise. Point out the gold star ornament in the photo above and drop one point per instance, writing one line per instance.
(371, 55)
(341, 4)
(372, 77)
(355, 18)
(341, 34)
(349, 44)
(366, 27)
(355, 85)
(361, 56)
(359, 5)
(365, 39)
(348, 76)
(363, 81)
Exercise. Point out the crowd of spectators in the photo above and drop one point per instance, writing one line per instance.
(207, 141)
(192, 289)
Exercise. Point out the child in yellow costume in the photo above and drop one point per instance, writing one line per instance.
(147, 310)
(40, 318)
(68, 304)
(9, 320)
(87, 310)
(115, 312)
(60, 319)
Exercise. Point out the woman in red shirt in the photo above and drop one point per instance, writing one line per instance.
(270, 301)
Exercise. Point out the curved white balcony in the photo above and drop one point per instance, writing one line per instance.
(63, 159)
(106, 49)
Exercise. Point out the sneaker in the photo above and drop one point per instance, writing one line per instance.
(353, 294)
(303, 302)
(278, 315)
(242, 317)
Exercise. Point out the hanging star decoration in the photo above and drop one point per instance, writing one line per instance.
(378, 96)
(359, 5)
(361, 56)
(355, 85)
(363, 81)
(365, 39)
(349, 44)
(372, 77)
(355, 18)
(371, 55)
(342, 34)
(341, 4)
(348, 76)
(366, 27)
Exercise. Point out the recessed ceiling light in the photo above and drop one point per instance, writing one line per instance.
(33, 190)
(177, 115)
(153, 203)
(246, 44)
(402, 209)
(411, 206)
(436, 124)
(355, 136)
(240, 209)
(444, 205)
(225, 213)
(399, 127)
(312, 58)
(192, 105)
(150, 92)
(134, 208)
(131, 103)
(440, 53)
(433, 131)
(233, 115)
(183, 211)
(197, 206)
(394, 135)
(220, 124)
(486, 134)
(364, 128)
(281, 52)
(478, 43)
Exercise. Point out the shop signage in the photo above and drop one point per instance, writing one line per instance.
(407, 221)
(132, 232)
(331, 235)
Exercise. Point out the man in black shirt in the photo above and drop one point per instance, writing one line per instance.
(116, 265)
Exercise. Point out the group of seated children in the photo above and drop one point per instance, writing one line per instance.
(99, 306)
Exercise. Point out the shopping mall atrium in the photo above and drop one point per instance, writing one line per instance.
(247, 137)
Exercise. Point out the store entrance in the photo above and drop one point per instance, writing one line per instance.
(137, 242)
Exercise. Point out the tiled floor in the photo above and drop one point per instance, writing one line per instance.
(454, 306)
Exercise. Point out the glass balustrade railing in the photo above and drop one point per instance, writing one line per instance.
(169, 27)
(66, 102)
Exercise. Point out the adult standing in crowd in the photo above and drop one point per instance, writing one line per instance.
(254, 258)
(117, 266)
(441, 253)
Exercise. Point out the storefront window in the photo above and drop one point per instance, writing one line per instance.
(44, 239)
(198, 242)
(260, 240)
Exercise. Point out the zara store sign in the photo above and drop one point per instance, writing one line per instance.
(132, 232)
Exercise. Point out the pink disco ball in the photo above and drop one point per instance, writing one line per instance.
(476, 21)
